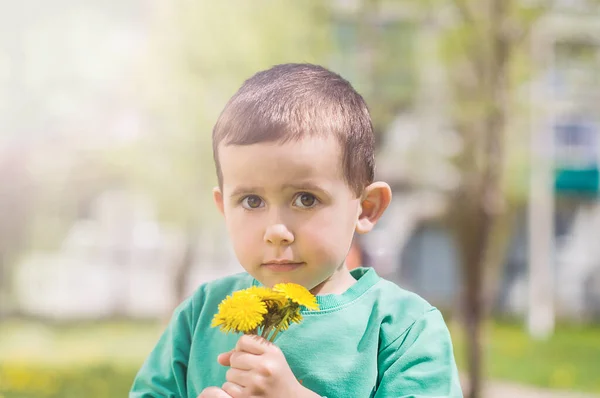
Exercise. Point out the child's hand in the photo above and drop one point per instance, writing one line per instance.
(213, 392)
(259, 369)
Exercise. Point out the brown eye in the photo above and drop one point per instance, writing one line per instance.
(305, 200)
(252, 202)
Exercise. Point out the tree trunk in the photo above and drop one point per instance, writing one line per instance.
(496, 257)
(481, 199)
(476, 210)
(473, 226)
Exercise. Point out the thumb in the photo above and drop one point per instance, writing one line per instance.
(213, 392)
(225, 358)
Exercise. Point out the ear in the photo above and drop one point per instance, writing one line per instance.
(218, 198)
(375, 199)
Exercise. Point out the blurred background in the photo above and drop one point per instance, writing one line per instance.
(486, 114)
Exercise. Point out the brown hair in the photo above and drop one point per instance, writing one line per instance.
(291, 101)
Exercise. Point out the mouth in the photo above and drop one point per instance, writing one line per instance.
(282, 266)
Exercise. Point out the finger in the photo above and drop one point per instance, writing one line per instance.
(225, 358)
(233, 389)
(237, 376)
(252, 344)
(214, 392)
(243, 360)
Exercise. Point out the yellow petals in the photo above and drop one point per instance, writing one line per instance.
(261, 309)
(297, 294)
(268, 295)
(240, 312)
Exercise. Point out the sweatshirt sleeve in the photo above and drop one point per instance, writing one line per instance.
(420, 362)
(163, 374)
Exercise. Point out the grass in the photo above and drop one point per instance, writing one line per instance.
(113, 343)
(72, 361)
(569, 360)
(101, 359)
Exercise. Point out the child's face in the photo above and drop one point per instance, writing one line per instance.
(289, 212)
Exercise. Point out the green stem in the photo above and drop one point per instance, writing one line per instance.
(272, 339)
(279, 327)
(266, 332)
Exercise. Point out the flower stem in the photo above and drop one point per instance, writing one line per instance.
(272, 339)
(266, 331)
(280, 326)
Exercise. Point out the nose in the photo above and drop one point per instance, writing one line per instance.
(278, 234)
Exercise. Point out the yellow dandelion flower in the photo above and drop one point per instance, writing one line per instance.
(297, 294)
(240, 312)
(268, 295)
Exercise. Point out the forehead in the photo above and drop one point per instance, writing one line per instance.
(272, 164)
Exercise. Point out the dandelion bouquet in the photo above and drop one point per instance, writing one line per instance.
(263, 311)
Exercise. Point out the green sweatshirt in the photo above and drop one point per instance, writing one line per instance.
(374, 340)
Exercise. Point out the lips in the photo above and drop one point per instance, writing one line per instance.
(282, 265)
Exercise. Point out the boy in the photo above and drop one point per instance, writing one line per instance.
(294, 156)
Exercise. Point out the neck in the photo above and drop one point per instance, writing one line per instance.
(337, 283)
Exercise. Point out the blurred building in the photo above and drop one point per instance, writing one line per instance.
(413, 246)
(118, 262)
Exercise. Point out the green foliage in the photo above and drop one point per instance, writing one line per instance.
(35, 381)
(567, 361)
(72, 360)
(376, 53)
(393, 82)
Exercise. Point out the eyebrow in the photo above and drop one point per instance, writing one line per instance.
(244, 190)
(308, 186)
(304, 186)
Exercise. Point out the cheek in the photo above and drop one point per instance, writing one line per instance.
(243, 232)
(328, 236)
